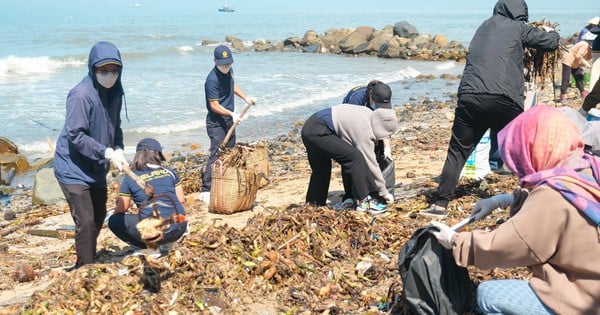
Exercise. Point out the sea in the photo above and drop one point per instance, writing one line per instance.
(45, 44)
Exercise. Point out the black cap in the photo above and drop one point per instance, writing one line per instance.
(382, 95)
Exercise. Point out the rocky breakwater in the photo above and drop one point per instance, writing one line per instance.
(401, 40)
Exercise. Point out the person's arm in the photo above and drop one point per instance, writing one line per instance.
(528, 238)
(180, 194)
(78, 127)
(387, 147)
(238, 91)
(123, 204)
(367, 147)
(539, 39)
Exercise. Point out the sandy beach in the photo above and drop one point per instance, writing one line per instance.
(419, 148)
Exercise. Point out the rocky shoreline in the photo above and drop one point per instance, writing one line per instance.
(401, 40)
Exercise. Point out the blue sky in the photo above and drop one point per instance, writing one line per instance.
(594, 5)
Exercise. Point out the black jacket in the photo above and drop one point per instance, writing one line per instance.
(495, 59)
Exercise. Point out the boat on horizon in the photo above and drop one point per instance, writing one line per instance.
(226, 8)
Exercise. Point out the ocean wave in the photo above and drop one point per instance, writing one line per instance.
(446, 65)
(184, 49)
(168, 128)
(13, 67)
(36, 148)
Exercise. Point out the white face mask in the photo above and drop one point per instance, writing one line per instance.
(224, 68)
(107, 79)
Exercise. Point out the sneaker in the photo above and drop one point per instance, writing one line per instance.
(435, 211)
(562, 98)
(204, 197)
(164, 249)
(584, 93)
(346, 204)
(371, 206)
(154, 253)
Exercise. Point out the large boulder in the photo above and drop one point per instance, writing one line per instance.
(349, 43)
(46, 189)
(405, 29)
(310, 38)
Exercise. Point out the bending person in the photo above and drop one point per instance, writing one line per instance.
(347, 134)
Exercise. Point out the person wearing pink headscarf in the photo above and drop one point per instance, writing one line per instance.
(556, 233)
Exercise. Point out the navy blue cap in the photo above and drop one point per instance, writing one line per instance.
(223, 55)
(150, 144)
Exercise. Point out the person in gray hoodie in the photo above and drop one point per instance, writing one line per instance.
(347, 134)
(490, 93)
(90, 139)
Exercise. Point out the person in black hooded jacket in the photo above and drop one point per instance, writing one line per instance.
(491, 92)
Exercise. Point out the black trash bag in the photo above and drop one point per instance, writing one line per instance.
(432, 282)
(387, 167)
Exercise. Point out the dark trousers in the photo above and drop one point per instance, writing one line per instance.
(124, 226)
(88, 209)
(592, 99)
(322, 145)
(216, 130)
(349, 192)
(566, 78)
(475, 113)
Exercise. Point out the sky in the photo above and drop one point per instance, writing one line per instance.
(422, 4)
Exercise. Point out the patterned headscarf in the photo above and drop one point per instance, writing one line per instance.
(542, 146)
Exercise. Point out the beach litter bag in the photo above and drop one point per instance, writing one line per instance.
(478, 162)
(432, 283)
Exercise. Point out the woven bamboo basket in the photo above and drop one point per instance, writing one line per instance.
(258, 158)
(233, 189)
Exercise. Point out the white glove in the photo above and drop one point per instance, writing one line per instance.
(484, 207)
(583, 113)
(548, 29)
(236, 118)
(387, 153)
(116, 157)
(389, 198)
(445, 234)
(250, 100)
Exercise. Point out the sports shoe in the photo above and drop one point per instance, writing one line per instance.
(584, 93)
(154, 253)
(371, 206)
(346, 204)
(204, 197)
(435, 211)
(164, 249)
(562, 98)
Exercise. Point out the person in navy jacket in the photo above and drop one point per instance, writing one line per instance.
(219, 91)
(90, 139)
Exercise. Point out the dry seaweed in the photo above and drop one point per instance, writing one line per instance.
(540, 64)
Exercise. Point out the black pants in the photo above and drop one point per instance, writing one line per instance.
(475, 113)
(322, 145)
(216, 130)
(593, 98)
(88, 209)
(124, 226)
(566, 78)
(349, 192)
